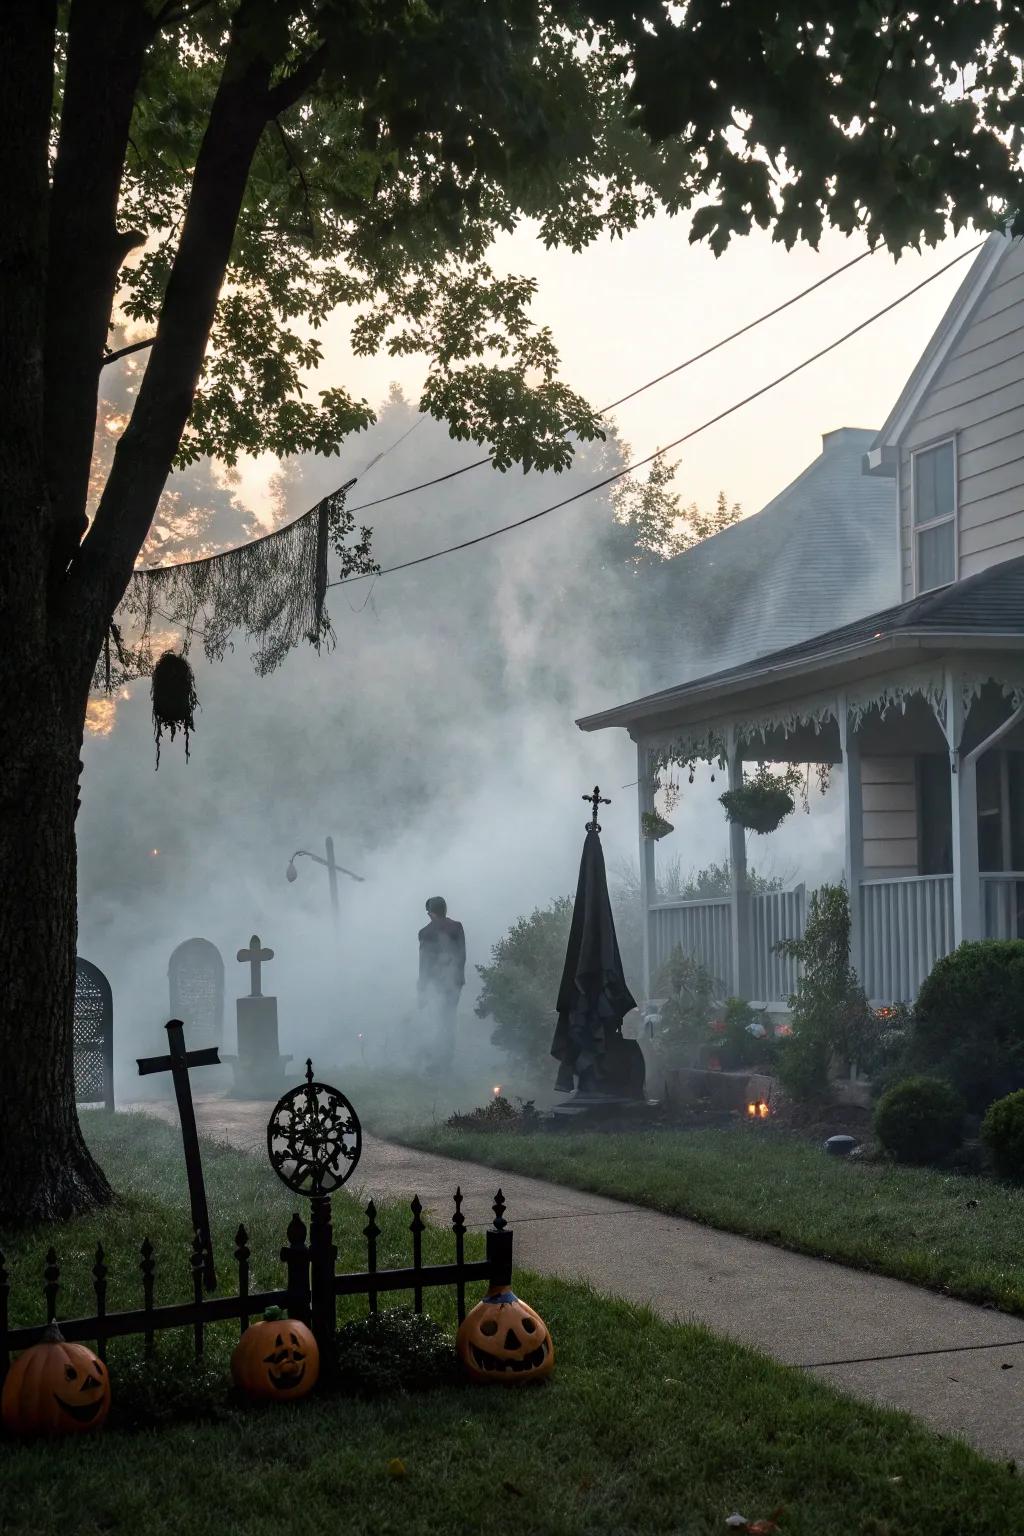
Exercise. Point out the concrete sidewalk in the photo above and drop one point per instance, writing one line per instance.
(962, 1367)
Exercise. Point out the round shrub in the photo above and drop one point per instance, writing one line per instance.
(1002, 1132)
(969, 1021)
(920, 1120)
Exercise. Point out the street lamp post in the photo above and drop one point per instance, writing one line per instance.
(330, 864)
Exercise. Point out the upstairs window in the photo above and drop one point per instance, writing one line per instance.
(934, 483)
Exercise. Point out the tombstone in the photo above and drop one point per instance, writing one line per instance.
(195, 977)
(93, 1036)
(259, 1067)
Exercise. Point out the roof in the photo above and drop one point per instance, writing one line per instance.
(989, 606)
(880, 458)
(821, 552)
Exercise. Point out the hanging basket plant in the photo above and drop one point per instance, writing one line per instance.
(654, 827)
(764, 801)
(174, 699)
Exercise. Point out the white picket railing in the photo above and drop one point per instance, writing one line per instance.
(1002, 905)
(906, 925)
(702, 929)
(775, 915)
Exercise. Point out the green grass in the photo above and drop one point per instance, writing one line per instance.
(644, 1427)
(916, 1224)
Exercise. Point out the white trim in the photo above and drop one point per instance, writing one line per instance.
(916, 528)
(978, 278)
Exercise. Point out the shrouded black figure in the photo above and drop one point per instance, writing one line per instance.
(442, 977)
(593, 998)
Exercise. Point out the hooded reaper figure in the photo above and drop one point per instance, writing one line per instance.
(593, 998)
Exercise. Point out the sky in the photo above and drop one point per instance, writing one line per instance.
(624, 311)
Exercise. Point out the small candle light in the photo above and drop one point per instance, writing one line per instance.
(496, 1089)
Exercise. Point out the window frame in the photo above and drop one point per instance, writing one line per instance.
(916, 528)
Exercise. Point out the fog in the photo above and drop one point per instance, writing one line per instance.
(435, 743)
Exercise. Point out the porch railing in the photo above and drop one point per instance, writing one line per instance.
(702, 929)
(906, 925)
(1002, 905)
(775, 915)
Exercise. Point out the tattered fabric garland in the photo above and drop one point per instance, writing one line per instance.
(272, 589)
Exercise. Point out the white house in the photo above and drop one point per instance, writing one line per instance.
(919, 706)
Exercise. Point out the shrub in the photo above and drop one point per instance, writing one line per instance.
(520, 987)
(394, 1351)
(920, 1120)
(1002, 1132)
(497, 1115)
(743, 1040)
(829, 1009)
(689, 989)
(969, 1020)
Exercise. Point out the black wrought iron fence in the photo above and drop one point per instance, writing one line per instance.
(310, 1293)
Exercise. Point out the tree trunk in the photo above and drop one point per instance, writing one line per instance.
(48, 1172)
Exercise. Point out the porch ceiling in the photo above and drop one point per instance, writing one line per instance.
(984, 614)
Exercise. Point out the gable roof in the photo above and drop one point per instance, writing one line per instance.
(989, 606)
(880, 457)
(822, 551)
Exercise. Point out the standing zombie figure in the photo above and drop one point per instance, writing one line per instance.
(442, 977)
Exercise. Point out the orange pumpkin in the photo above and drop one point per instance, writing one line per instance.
(502, 1339)
(276, 1359)
(55, 1388)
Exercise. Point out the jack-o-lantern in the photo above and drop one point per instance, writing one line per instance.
(276, 1359)
(55, 1388)
(502, 1339)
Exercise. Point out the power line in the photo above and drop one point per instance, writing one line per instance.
(697, 357)
(686, 437)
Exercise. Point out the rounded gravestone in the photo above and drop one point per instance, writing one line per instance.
(195, 978)
(840, 1146)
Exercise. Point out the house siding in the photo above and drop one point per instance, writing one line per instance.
(977, 397)
(889, 793)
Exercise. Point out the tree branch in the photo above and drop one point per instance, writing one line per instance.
(145, 452)
(106, 45)
(297, 168)
(136, 346)
(302, 79)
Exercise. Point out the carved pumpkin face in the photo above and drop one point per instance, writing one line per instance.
(502, 1339)
(276, 1359)
(55, 1388)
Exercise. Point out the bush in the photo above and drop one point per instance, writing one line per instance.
(920, 1120)
(743, 1040)
(969, 1021)
(497, 1115)
(394, 1351)
(520, 987)
(689, 989)
(1002, 1132)
(830, 1012)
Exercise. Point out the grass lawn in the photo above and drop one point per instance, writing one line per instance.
(949, 1232)
(644, 1427)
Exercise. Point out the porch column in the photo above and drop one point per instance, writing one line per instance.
(739, 890)
(853, 832)
(648, 886)
(963, 769)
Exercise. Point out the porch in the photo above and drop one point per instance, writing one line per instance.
(919, 714)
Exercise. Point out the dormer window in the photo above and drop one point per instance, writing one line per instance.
(933, 480)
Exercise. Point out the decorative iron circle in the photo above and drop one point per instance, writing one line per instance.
(313, 1138)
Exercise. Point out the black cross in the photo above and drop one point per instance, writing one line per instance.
(177, 1064)
(595, 800)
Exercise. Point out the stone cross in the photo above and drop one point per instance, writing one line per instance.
(255, 956)
(177, 1063)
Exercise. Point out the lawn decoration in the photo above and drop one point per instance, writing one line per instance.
(504, 1340)
(55, 1388)
(762, 803)
(276, 1360)
(313, 1138)
(174, 699)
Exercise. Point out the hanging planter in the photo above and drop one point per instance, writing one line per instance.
(174, 699)
(763, 802)
(654, 827)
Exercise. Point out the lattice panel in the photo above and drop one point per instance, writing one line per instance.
(92, 1025)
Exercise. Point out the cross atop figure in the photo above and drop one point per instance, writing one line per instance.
(595, 800)
(177, 1064)
(255, 956)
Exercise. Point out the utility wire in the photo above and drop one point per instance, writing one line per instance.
(686, 437)
(724, 341)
